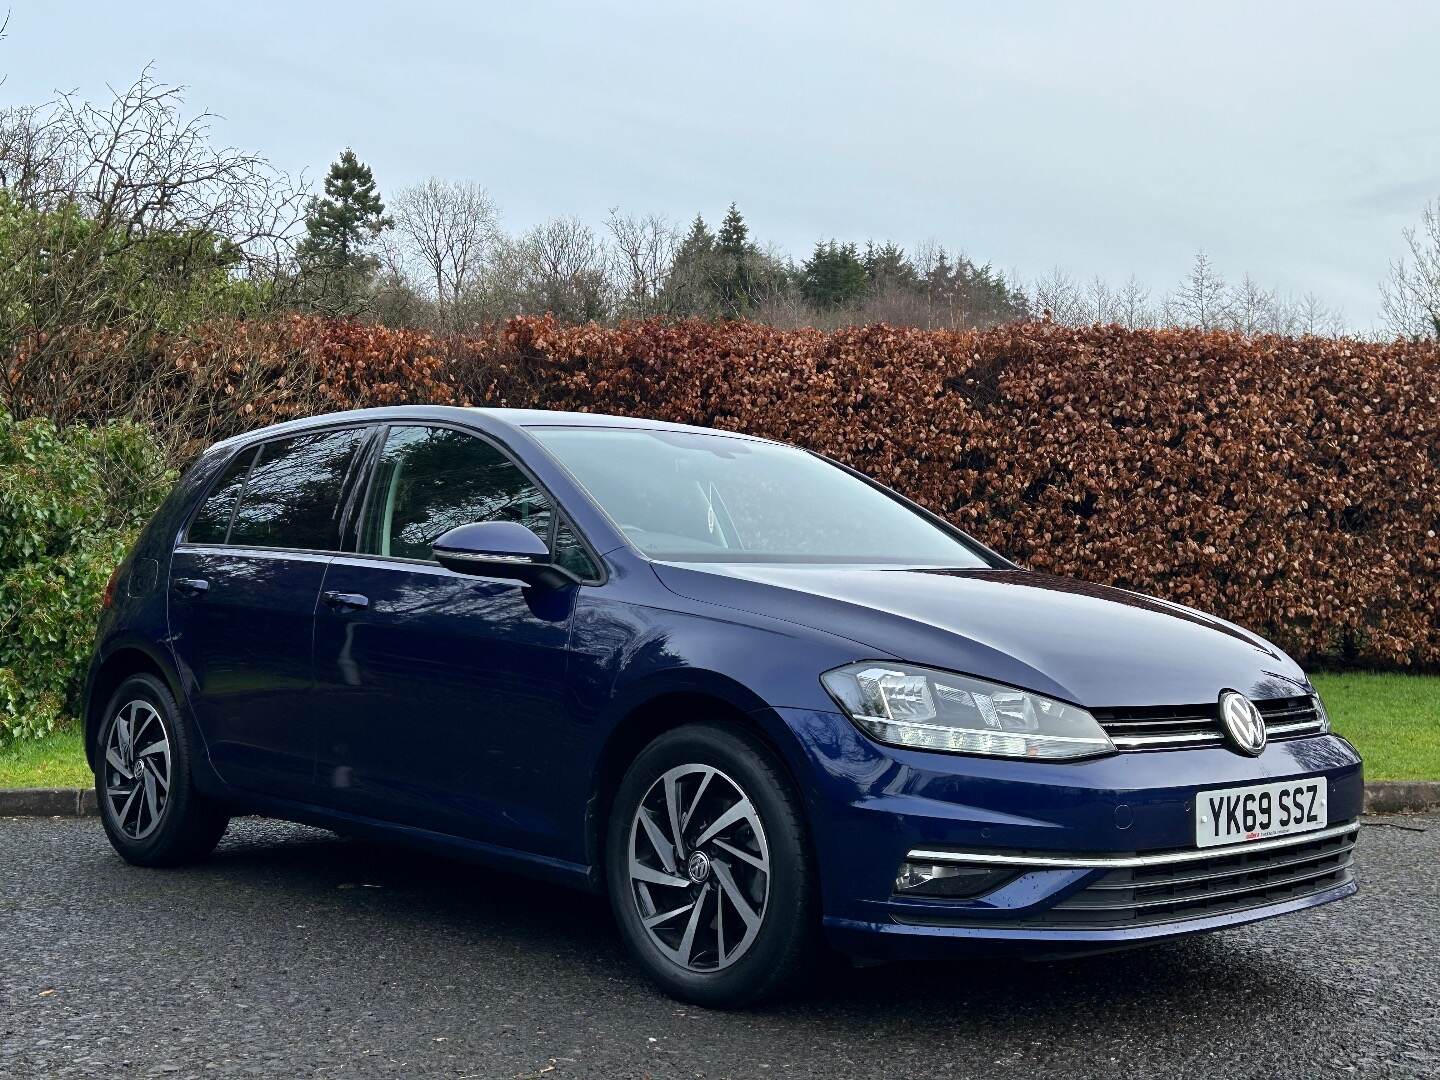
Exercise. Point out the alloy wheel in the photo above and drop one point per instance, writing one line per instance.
(699, 867)
(137, 769)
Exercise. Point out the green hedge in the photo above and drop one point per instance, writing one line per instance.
(71, 502)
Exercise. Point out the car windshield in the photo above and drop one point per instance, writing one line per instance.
(688, 496)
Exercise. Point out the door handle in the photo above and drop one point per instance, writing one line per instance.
(191, 586)
(345, 600)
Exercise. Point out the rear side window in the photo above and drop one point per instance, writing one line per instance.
(212, 521)
(292, 498)
(430, 480)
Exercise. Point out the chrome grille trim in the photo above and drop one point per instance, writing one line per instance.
(1124, 862)
(1157, 742)
(1183, 727)
(1283, 730)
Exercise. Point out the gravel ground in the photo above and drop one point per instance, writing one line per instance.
(293, 953)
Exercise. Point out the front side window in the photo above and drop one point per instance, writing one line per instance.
(292, 498)
(430, 479)
(701, 497)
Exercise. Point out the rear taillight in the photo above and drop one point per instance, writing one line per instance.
(108, 596)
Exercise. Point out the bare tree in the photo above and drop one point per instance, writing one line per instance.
(137, 168)
(1132, 305)
(125, 218)
(643, 252)
(1059, 296)
(31, 154)
(1251, 309)
(395, 298)
(449, 227)
(1100, 301)
(1311, 315)
(1202, 298)
(1410, 296)
(560, 267)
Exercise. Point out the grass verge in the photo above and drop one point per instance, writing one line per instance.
(1393, 719)
(58, 760)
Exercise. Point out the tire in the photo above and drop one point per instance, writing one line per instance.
(145, 786)
(755, 930)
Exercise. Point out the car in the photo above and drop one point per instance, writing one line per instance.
(774, 710)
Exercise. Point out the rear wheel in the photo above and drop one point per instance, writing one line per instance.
(143, 780)
(709, 870)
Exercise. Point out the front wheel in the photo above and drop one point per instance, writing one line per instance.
(148, 803)
(709, 870)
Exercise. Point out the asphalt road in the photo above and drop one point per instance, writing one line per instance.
(292, 953)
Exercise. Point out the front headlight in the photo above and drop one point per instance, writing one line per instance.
(926, 709)
(1322, 714)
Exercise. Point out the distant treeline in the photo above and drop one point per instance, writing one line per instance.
(126, 215)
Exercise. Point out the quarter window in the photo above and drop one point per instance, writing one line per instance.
(429, 480)
(212, 521)
(570, 553)
(293, 496)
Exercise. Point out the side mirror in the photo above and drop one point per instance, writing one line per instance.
(503, 549)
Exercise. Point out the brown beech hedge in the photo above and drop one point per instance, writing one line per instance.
(1289, 484)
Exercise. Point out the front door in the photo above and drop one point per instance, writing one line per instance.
(243, 589)
(441, 694)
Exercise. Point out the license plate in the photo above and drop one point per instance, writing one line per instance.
(1243, 814)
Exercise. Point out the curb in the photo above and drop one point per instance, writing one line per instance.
(1401, 796)
(1381, 797)
(48, 802)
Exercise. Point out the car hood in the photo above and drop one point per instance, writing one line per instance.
(1085, 643)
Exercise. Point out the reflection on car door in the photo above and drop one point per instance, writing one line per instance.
(440, 693)
(243, 587)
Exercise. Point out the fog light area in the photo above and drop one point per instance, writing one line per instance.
(943, 880)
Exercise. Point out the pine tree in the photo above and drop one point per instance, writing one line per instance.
(734, 238)
(736, 258)
(833, 276)
(687, 288)
(886, 266)
(339, 230)
(940, 277)
(696, 248)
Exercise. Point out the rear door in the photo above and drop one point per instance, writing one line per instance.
(243, 588)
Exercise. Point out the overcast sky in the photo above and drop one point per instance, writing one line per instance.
(1292, 140)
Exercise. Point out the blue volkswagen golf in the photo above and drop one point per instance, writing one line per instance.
(765, 704)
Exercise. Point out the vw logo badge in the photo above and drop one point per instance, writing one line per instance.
(698, 866)
(1243, 722)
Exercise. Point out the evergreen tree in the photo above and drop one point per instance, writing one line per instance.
(734, 238)
(833, 276)
(693, 257)
(340, 228)
(886, 266)
(687, 288)
(699, 242)
(940, 277)
(736, 258)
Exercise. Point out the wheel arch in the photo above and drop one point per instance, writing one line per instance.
(645, 718)
(119, 664)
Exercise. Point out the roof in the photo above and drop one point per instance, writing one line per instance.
(516, 418)
(549, 418)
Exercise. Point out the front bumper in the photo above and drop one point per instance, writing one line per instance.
(1101, 852)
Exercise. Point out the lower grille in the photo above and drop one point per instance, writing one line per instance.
(1213, 886)
(1146, 890)
(1173, 727)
